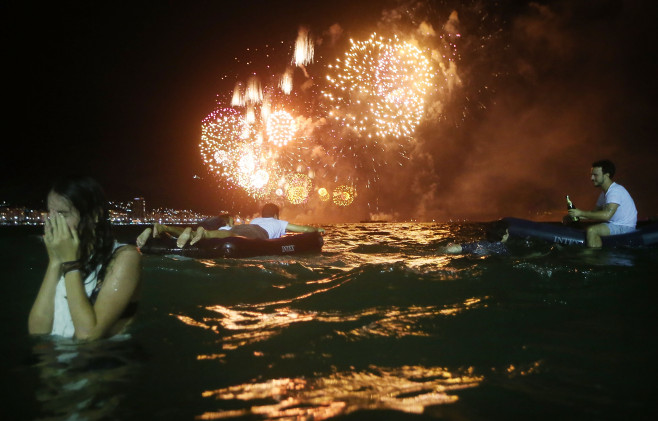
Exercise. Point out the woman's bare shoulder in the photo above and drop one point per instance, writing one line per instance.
(127, 253)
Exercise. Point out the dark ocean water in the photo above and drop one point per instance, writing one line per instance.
(375, 327)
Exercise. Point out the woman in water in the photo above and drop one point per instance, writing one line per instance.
(497, 234)
(91, 285)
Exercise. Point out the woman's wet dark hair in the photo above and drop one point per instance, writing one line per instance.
(496, 231)
(94, 229)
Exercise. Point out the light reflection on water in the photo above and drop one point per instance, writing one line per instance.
(257, 322)
(408, 388)
(377, 244)
(377, 321)
(253, 325)
(77, 377)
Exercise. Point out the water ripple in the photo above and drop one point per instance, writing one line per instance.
(408, 388)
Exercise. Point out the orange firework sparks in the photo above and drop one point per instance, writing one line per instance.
(280, 128)
(344, 195)
(238, 96)
(298, 187)
(379, 88)
(220, 137)
(254, 91)
(286, 82)
(231, 149)
(324, 194)
(373, 100)
(304, 49)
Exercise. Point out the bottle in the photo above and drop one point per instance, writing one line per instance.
(571, 206)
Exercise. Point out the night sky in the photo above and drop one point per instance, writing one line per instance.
(118, 91)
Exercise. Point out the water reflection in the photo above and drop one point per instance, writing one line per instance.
(244, 325)
(78, 379)
(386, 243)
(398, 323)
(408, 388)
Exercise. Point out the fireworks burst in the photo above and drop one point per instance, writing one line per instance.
(280, 128)
(324, 194)
(379, 88)
(232, 150)
(344, 195)
(367, 112)
(298, 187)
(220, 136)
(254, 171)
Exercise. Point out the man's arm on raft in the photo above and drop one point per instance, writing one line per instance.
(302, 228)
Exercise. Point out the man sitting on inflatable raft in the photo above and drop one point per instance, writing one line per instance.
(615, 207)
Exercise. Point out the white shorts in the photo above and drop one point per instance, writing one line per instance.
(619, 229)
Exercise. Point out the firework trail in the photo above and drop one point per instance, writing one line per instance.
(254, 91)
(286, 82)
(304, 50)
(238, 96)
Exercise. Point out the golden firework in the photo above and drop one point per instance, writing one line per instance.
(304, 49)
(280, 128)
(324, 194)
(379, 88)
(344, 195)
(220, 139)
(298, 187)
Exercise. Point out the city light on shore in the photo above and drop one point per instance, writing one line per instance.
(121, 213)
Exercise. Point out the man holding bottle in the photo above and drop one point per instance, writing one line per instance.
(615, 206)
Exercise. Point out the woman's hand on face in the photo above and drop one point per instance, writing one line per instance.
(62, 242)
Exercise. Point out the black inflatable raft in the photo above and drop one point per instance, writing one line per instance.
(646, 235)
(211, 248)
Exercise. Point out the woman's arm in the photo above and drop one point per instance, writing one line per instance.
(119, 286)
(40, 320)
(42, 314)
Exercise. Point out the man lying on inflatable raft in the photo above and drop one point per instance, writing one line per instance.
(263, 236)
(615, 213)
